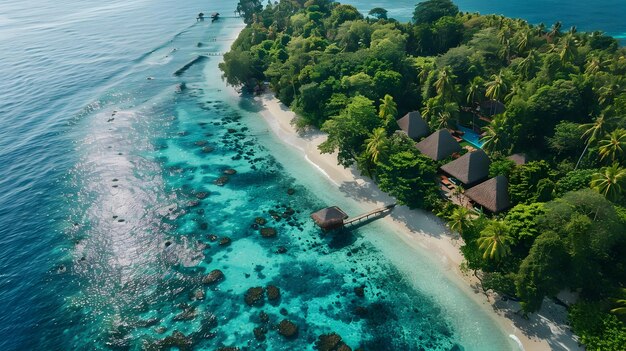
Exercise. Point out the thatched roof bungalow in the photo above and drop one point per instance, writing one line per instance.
(329, 218)
(470, 168)
(413, 125)
(492, 194)
(439, 145)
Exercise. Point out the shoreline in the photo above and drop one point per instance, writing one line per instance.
(543, 330)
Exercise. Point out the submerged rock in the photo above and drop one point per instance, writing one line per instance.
(359, 291)
(254, 296)
(187, 314)
(259, 333)
(268, 232)
(291, 191)
(221, 181)
(208, 149)
(201, 195)
(260, 221)
(213, 277)
(212, 237)
(287, 329)
(328, 342)
(225, 241)
(281, 250)
(273, 292)
(230, 171)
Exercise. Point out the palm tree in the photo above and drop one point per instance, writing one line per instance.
(522, 44)
(568, 49)
(555, 30)
(495, 241)
(387, 110)
(613, 146)
(593, 66)
(475, 91)
(459, 219)
(444, 85)
(609, 181)
(496, 88)
(376, 144)
(495, 135)
(540, 30)
(592, 132)
(527, 65)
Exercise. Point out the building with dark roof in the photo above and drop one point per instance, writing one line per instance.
(439, 145)
(470, 168)
(492, 194)
(413, 125)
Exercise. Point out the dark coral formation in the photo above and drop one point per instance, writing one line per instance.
(213, 277)
(273, 293)
(254, 296)
(288, 329)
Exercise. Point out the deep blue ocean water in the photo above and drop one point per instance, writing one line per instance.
(108, 201)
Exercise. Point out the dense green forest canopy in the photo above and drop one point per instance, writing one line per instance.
(555, 94)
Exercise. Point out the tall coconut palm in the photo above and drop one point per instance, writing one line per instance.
(475, 91)
(593, 65)
(540, 29)
(495, 135)
(444, 85)
(614, 145)
(593, 131)
(555, 30)
(610, 182)
(376, 145)
(567, 52)
(495, 241)
(387, 110)
(460, 219)
(528, 65)
(496, 88)
(522, 42)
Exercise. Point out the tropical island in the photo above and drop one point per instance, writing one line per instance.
(513, 133)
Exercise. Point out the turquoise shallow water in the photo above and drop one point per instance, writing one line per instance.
(108, 201)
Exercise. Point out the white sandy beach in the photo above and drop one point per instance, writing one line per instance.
(545, 330)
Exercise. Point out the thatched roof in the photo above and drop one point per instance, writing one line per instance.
(413, 125)
(519, 159)
(439, 145)
(469, 168)
(492, 194)
(329, 218)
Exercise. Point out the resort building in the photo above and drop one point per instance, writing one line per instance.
(470, 168)
(492, 194)
(439, 145)
(413, 125)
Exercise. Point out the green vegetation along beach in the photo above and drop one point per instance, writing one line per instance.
(513, 134)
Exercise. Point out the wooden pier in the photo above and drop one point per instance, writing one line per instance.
(371, 214)
(334, 218)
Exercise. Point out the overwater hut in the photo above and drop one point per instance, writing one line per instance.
(492, 194)
(413, 125)
(329, 218)
(470, 168)
(519, 159)
(439, 145)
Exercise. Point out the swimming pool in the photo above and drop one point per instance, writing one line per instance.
(470, 136)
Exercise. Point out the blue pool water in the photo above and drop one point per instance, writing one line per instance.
(108, 200)
(471, 136)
